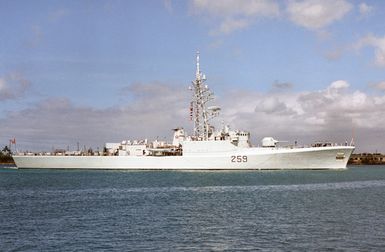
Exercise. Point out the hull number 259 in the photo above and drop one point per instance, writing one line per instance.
(238, 159)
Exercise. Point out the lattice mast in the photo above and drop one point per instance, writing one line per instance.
(200, 114)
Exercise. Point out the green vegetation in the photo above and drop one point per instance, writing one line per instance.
(5, 156)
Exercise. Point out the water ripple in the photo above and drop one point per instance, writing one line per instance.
(206, 189)
(169, 211)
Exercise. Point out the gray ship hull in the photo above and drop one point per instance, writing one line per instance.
(333, 157)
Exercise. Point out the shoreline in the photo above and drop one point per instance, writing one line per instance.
(7, 163)
(367, 159)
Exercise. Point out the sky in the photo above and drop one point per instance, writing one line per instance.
(91, 72)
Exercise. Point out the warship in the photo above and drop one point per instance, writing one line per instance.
(206, 148)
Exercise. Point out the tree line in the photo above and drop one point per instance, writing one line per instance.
(5, 155)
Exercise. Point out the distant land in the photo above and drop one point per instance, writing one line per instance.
(367, 159)
(5, 160)
(5, 156)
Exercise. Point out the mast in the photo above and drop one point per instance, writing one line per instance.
(200, 97)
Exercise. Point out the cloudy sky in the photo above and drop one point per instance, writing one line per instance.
(103, 71)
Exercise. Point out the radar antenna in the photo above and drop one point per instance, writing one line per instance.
(201, 115)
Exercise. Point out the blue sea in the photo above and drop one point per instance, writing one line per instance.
(89, 210)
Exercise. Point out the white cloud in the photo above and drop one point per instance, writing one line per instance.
(13, 86)
(365, 9)
(328, 114)
(237, 7)
(2, 85)
(234, 15)
(282, 85)
(379, 85)
(340, 84)
(378, 44)
(316, 15)
(156, 109)
(272, 105)
(231, 24)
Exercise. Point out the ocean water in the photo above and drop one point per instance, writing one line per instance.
(64, 210)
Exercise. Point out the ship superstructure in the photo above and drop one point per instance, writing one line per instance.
(205, 148)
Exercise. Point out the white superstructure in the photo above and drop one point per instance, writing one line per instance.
(206, 148)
